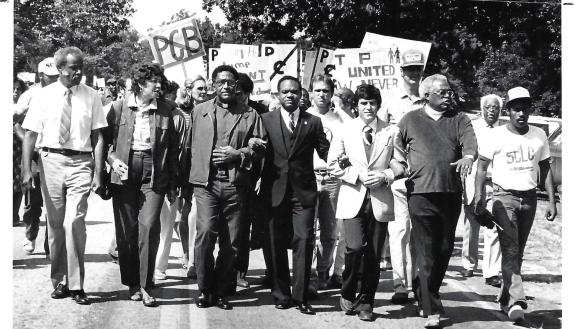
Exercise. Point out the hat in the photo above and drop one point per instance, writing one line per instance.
(412, 57)
(48, 67)
(517, 93)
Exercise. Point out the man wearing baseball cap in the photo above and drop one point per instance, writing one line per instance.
(519, 154)
(47, 73)
(404, 100)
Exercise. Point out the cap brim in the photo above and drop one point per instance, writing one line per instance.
(519, 99)
(412, 64)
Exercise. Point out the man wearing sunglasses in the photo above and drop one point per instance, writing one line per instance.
(440, 146)
(221, 164)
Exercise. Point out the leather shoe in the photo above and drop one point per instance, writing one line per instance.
(365, 315)
(399, 298)
(223, 303)
(203, 301)
(149, 301)
(241, 280)
(135, 293)
(305, 308)
(283, 305)
(335, 282)
(192, 274)
(467, 273)
(493, 281)
(79, 296)
(346, 306)
(61, 291)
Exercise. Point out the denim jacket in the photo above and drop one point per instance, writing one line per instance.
(163, 138)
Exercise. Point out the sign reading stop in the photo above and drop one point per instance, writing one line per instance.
(177, 43)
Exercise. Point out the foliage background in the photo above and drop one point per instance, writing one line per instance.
(482, 46)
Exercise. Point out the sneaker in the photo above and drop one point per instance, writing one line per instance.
(432, 321)
(29, 246)
(493, 281)
(386, 264)
(516, 313)
(159, 275)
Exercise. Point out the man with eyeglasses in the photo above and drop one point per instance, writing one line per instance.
(439, 145)
(406, 99)
(221, 164)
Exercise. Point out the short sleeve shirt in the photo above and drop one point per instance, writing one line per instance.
(332, 125)
(46, 110)
(515, 158)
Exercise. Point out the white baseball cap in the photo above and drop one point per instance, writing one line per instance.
(517, 93)
(48, 67)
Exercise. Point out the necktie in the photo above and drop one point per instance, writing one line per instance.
(291, 122)
(66, 118)
(368, 139)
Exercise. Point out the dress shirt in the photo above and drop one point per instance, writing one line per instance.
(399, 104)
(46, 109)
(141, 135)
(287, 119)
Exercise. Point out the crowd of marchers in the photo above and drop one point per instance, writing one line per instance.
(372, 179)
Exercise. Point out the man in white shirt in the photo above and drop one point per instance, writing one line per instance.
(483, 126)
(519, 154)
(327, 186)
(48, 74)
(66, 118)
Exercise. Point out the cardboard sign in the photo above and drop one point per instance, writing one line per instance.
(283, 59)
(177, 43)
(308, 67)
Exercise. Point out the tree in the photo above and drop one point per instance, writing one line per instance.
(43, 26)
(464, 34)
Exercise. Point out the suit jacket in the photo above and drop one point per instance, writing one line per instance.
(352, 192)
(163, 138)
(248, 124)
(292, 165)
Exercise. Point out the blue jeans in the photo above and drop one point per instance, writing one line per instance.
(514, 211)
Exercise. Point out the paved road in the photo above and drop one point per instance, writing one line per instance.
(469, 303)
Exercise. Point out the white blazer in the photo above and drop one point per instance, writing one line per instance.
(352, 192)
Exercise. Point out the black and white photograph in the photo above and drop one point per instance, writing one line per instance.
(287, 164)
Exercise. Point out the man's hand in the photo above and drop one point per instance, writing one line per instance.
(226, 154)
(478, 205)
(257, 144)
(343, 161)
(97, 186)
(120, 168)
(463, 167)
(172, 194)
(27, 181)
(550, 211)
(375, 179)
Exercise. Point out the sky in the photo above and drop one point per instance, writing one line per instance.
(151, 14)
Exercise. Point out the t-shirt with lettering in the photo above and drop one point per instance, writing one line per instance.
(515, 158)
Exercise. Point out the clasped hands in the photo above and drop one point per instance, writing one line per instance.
(225, 154)
(373, 179)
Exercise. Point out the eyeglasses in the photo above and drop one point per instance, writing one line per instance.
(444, 93)
(491, 107)
(230, 83)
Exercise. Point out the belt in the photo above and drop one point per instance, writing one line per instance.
(516, 192)
(137, 152)
(65, 152)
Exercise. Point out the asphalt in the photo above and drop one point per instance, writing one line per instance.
(469, 303)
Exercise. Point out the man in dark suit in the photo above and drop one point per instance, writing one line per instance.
(289, 179)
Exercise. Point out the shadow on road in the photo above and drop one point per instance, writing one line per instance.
(30, 263)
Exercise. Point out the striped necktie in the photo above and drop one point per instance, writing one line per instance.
(368, 138)
(291, 122)
(66, 118)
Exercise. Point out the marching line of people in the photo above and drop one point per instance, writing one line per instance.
(224, 169)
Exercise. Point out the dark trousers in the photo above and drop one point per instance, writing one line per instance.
(291, 224)
(137, 217)
(364, 239)
(252, 221)
(32, 208)
(514, 211)
(434, 219)
(221, 211)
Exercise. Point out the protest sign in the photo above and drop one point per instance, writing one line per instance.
(177, 43)
(283, 59)
(323, 63)
(377, 63)
(307, 71)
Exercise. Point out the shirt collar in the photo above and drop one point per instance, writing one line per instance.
(61, 86)
(133, 102)
(412, 98)
(435, 115)
(286, 113)
(372, 124)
